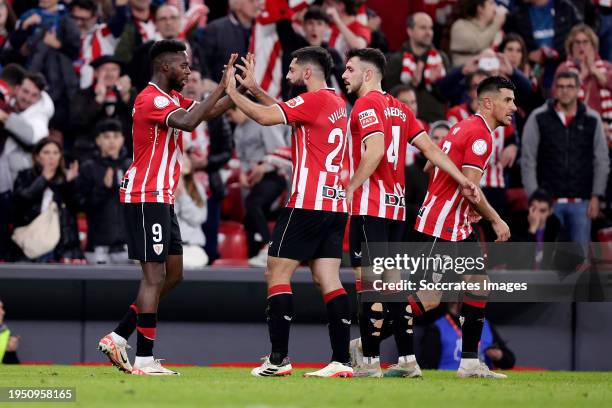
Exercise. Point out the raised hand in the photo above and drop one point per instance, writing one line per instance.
(226, 73)
(247, 72)
(73, 171)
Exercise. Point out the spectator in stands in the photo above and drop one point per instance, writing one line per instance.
(347, 31)
(455, 85)
(581, 46)
(379, 40)
(478, 28)
(565, 153)
(418, 180)
(227, 35)
(139, 30)
(190, 208)
(168, 22)
(8, 343)
(265, 185)
(544, 26)
(441, 344)
(110, 96)
(604, 8)
(7, 21)
(538, 224)
(315, 25)
(25, 121)
(48, 41)
(37, 187)
(98, 189)
(97, 39)
(420, 65)
(209, 148)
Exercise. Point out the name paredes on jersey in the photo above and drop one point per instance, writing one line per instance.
(340, 113)
(395, 112)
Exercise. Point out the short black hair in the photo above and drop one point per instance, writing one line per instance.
(569, 74)
(372, 55)
(13, 74)
(316, 55)
(89, 5)
(108, 125)
(166, 46)
(494, 83)
(541, 195)
(316, 13)
(37, 78)
(401, 88)
(351, 7)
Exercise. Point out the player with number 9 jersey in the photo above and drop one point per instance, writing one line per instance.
(444, 213)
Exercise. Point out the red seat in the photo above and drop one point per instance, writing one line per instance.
(232, 241)
(604, 236)
(83, 228)
(233, 204)
(237, 263)
(517, 200)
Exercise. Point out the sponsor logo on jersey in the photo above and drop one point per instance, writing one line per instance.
(368, 118)
(297, 101)
(333, 193)
(158, 248)
(479, 147)
(421, 211)
(395, 200)
(161, 102)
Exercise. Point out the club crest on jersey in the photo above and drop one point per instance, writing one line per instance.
(479, 147)
(161, 102)
(297, 101)
(158, 248)
(368, 118)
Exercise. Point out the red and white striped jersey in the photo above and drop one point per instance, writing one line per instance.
(494, 174)
(319, 122)
(444, 213)
(337, 40)
(98, 42)
(158, 148)
(382, 194)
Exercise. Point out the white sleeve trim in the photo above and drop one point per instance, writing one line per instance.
(286, 122)
(473, 167)
(170, 114)
(372, 134)
(417, 136)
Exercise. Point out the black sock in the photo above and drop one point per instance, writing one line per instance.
(127, 325)
(387, 329)
(147, 327)
(401, 314)
(339, 324)
(471, 329)
(279, 314)
(370, 334)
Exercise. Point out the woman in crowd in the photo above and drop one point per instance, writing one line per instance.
(35, 188)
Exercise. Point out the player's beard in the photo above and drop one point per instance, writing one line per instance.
(296, 88)
(176, 84)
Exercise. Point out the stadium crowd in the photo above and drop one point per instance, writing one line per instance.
(70, 71)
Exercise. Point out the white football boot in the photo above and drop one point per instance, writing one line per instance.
(153, 368)
(405, 368)
(267, 369)
(332, 370)
(477, 369)
(116, 352)
(369, 368)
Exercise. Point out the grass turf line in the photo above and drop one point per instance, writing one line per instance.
(234, 387)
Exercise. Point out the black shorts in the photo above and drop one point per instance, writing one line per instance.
(366, 229)
(152, 230)
(434, 247)
(308, 234)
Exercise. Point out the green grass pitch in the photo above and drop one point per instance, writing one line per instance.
(234, 387)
